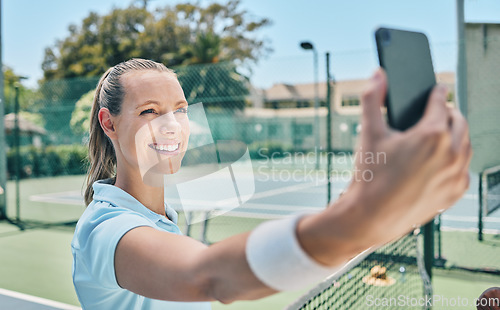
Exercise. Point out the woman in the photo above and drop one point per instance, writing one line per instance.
(129, 253)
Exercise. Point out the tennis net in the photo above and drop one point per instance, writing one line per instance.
(392, 277)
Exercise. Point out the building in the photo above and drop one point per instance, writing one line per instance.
(287, 113)
(29, 133)
(482, 48)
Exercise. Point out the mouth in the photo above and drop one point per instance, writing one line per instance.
(165, 149)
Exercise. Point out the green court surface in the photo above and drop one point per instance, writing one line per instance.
(46, 212)
(37, 261)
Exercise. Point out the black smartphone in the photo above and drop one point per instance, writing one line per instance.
(406, 59)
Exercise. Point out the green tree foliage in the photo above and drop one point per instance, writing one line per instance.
(189, 38)
(174, 35)
(217, 86)
(80, 118)
(27, 96)
(57, 101)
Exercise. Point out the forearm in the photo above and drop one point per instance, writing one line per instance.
(229, 276)
(330, 238)
(339, 233)
(147, 260)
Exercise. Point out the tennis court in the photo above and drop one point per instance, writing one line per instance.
(15, 300)
(277, 196)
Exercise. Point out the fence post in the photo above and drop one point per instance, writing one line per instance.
(328, 130)
(461, 87)
(3, 144)
(429, 247)
(17, 145)
(480, 215)
(440, 261)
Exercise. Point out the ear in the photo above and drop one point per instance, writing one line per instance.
(106, 123)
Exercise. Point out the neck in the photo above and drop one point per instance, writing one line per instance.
(148, 190)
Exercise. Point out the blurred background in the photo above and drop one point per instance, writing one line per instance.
(284, 77)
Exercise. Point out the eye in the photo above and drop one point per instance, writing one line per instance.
(148, 111)
(181, 110)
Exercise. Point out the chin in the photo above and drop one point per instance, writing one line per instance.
(168, 165)
(155, 175)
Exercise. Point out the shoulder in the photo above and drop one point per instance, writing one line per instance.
(96, 237)
(107, 222)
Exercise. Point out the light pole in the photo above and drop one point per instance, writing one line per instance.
(309, 46)
(17, 145)
(3, 157)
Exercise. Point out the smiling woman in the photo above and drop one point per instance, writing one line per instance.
(130, 254)
(151, 130)
(139, 132)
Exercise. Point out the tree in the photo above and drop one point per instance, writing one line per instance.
(174, 35)
(231, 24)
(100, 42)
(80, 118)
(177, 36)
(27, 96)
(217, 86)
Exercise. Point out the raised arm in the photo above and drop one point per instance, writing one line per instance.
(418, 173)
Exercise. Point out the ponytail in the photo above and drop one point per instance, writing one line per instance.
(109, 94)
(101, 152)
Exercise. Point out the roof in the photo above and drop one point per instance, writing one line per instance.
(295, 92)
(298, 92)
(446, 78)
(25, 126)
(285, 113)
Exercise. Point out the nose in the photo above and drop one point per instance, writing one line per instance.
(169, 125)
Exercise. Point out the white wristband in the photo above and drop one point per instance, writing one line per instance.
(277, 259)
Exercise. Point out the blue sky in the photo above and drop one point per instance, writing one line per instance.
(342, 27)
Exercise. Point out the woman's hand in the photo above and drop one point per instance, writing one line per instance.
(403, 179)
(400, 180)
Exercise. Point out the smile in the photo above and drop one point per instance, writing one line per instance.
(164, 148)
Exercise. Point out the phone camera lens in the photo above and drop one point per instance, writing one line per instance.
(385, 35)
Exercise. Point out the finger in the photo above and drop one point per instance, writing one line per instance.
(459, 130)
(436, 115)
(372, 100)
(461, 146)
(465, 169)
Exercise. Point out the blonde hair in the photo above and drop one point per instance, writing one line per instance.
(109, 94)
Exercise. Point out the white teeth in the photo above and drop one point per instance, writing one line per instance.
(166, 147)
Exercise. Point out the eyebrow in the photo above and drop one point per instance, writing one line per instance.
(179, 103)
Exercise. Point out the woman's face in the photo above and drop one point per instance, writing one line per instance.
(152, 129)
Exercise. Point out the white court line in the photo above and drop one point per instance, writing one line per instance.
(286, 189)
(470, 196)
(56, 198)
(253, 215)
(485, 231)
(38, 300)
(275, 207)
(201, 204)
(469, 219)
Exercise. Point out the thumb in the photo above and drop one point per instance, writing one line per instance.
(372, 100)
(436, 113)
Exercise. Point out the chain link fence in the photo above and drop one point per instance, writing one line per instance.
(53, 133)
(277, 119)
